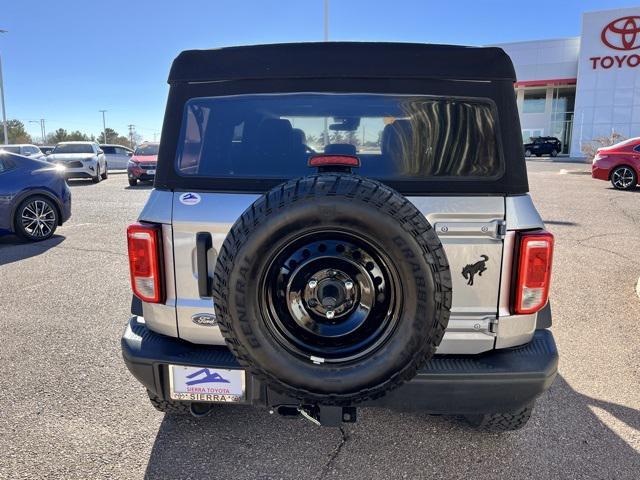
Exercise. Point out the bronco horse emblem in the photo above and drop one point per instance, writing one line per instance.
(470, 270)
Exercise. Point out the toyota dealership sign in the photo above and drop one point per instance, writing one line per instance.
(608, 77)
(622, 36)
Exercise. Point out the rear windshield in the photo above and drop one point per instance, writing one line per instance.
(396, 137)
(73, 148)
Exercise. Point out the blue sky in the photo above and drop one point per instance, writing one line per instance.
(65, 60)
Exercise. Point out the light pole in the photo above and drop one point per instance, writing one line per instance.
(4, 111)
(39, 122)
(104, 127)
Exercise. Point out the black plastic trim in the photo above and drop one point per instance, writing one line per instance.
(543, 320)
(203, 244)
(495, 381)
(136, 306)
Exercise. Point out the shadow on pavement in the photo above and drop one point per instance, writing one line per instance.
(140, 186)
(564, 439)
(561, 222)
(13, 249)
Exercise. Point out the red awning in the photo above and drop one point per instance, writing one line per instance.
(544, 83)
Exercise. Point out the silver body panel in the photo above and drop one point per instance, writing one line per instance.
(468, 227)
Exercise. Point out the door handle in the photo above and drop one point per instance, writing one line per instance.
(203, 244)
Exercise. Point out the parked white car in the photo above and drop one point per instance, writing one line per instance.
(117, 156)
(24, 149)
(81, 160)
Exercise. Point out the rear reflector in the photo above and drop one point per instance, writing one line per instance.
(534, 272)
(144, 262)
(334, 161)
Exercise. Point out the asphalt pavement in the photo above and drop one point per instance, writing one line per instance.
(70, 409)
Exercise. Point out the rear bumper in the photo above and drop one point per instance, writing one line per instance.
(599, 172)
(496, 381)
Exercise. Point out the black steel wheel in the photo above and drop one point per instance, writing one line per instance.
(332, 289)
(332, 296)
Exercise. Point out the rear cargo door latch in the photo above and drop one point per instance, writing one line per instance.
(496, 229)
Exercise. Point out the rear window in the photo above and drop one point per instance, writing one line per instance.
(396, 137)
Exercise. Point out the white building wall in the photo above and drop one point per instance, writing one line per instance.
(544, 59)
(608, 88)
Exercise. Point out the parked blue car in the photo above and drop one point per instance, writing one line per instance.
(34, 197)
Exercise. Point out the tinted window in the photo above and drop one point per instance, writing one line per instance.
(108, 150)
(73, 148)
(395, 136)
(122, 151)
(147, 149)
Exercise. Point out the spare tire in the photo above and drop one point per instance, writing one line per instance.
(333, 289)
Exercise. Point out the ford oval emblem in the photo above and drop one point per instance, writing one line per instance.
(204, 319)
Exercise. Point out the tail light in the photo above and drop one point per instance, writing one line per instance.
(533, 277)
(144, 262)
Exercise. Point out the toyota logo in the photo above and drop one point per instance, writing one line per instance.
(622, 33)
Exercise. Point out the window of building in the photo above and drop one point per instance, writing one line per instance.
(534, 101)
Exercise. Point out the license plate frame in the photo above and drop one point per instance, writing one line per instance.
(151, 172)
(207, 384)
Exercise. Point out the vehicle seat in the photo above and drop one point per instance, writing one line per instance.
(299, 142)
(340, 149)
(396, 147)
(274, 144)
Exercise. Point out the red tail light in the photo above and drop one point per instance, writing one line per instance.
(324, 160)
(534, 272)
(144, 262)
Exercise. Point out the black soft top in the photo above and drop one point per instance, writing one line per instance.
(336, 60)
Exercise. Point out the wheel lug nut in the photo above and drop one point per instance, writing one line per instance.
(313, 283)
(330, 314)
(348, 285)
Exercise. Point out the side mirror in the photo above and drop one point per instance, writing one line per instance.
(100, 151)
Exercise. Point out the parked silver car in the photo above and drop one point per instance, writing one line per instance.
(24, 149)
(117, 156)
(81, 160)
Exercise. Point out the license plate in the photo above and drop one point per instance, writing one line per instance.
(151, 172)
(198, 384)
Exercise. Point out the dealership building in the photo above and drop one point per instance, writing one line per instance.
(581, 88)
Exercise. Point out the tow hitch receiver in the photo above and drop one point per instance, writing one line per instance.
(321, 415)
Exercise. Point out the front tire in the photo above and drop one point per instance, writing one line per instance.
(133, 182)
(105, 174)
(527, 153)
(36, 219)
(98, 176)
(500, 422)
(624, 178)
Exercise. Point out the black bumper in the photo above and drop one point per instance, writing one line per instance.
(496, 381)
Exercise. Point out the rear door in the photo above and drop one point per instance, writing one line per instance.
(406, 139)
(470, 229)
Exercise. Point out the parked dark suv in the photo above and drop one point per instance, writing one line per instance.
(330, 235)
(543, 146)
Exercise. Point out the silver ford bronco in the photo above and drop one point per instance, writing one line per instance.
(342, 225)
